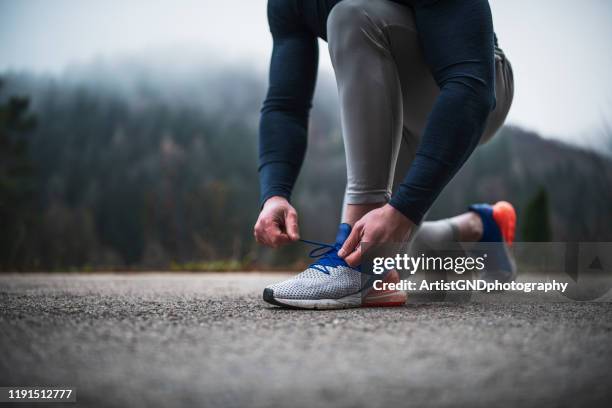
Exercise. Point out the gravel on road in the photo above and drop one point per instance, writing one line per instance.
(200, 340)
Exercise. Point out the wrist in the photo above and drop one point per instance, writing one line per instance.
(397, 216)
(275, 200)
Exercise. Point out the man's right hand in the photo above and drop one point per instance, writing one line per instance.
(277, 223)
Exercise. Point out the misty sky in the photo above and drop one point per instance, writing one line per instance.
(560, 49)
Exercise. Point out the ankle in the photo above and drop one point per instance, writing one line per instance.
(354, 212)
(469, 226)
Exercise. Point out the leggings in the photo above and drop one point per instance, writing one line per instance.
(414, 105)
(398, 89)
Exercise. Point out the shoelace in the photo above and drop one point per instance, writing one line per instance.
(327, 259)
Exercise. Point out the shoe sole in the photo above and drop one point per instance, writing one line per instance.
(347, 302)
(386, 299)
(372, 299)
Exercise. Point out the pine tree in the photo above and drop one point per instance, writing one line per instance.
(16, 182)
(536, 224)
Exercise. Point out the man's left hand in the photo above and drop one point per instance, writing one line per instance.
(385, 224)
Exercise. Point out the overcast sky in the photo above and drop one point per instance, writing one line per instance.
(560, 49)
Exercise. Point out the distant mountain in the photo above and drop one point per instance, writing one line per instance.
(517, 162)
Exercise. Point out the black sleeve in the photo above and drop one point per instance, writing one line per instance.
(284, 116)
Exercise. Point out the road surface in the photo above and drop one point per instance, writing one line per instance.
(207, 340)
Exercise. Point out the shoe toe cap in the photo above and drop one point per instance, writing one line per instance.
(268, 295)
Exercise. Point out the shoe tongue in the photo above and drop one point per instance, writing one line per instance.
(343, 232)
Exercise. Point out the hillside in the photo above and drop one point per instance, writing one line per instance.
(131, 167)
(518, 162)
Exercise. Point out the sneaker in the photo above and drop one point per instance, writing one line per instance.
(330, 283)
(385, 297)
(499, 226)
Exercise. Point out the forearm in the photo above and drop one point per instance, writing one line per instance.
(461, 58)
(280, 157)
(283, 124)
(453, 131)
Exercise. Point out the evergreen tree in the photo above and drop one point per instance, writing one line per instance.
(536, 224)
(16, 182)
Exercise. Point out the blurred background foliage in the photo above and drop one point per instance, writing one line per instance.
(128, 166)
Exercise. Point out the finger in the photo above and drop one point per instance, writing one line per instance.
(264, 232)
(274, 236)
(351, 242)
(281, 239)
(291, 224)
(258, 233)
(354, 259)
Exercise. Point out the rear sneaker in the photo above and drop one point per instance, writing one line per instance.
(330, 283)
(499, 225)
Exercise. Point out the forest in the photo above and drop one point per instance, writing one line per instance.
(127, 166)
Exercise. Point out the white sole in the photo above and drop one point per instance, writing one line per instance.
(346, 302)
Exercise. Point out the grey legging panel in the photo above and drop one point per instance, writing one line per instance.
(386, 93)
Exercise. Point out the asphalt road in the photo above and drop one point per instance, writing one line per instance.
(207, 340)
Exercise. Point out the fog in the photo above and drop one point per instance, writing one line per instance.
(559, 48)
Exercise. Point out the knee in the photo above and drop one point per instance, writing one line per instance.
(347, 22)
(485, 100)
(476, 95)
(347, 14)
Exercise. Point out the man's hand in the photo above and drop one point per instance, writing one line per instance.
(277, 223)
(385, 224)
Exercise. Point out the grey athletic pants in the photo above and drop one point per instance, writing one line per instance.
(386, 92)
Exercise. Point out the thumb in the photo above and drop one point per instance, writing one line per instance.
(291, 224)
(351, 242)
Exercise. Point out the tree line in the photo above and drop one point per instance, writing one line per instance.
(94, 178)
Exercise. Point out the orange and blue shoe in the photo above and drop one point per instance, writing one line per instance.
(499, 226)
(330, 283)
